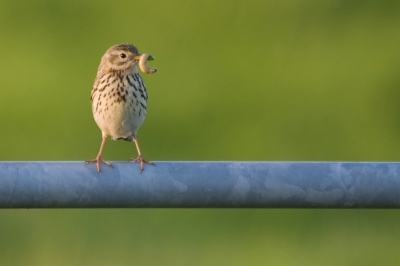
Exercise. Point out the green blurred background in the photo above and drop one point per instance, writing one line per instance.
(238, 80)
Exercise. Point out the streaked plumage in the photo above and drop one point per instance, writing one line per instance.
(119, 98)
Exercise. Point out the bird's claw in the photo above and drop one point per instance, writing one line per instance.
(98, 160)
(140, 160)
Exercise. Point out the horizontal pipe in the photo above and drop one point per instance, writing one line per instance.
(200, 184)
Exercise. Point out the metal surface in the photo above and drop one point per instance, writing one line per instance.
(200, 184)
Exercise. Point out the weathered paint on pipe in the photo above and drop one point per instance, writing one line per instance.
(200, 184)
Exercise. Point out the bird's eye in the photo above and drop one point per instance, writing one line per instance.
(122, 55)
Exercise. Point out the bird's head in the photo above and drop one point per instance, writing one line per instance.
(120, 57)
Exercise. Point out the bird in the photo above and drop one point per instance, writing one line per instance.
(119, 98)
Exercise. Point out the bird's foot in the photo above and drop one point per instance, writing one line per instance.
(140, 160)
(98, 160)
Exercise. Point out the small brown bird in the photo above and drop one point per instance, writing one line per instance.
(119, 97)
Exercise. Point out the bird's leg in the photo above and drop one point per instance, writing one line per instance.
(98, 159)
(139, 159)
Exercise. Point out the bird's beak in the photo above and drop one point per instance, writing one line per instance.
(137, 57)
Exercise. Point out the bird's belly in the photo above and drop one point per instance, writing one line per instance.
(121, 120)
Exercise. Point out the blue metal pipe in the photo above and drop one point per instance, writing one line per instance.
(200, 184)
